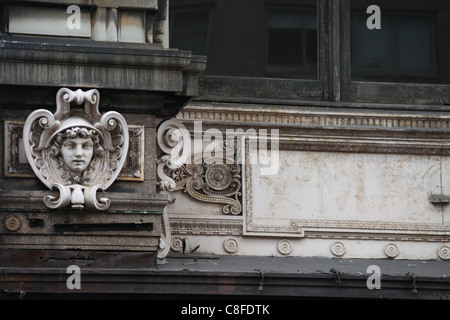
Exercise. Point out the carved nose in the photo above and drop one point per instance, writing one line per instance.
(79, 152)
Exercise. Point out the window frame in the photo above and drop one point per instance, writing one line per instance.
(276, 90)
(397, 95)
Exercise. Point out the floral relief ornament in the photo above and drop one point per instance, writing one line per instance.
(204, 176)
(78, 151)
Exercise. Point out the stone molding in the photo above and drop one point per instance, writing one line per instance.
(219, 226)
(139, 77)
(300, 117)
(337, 130)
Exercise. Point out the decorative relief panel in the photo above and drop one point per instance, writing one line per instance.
(16, 163)
(204, 176)
(391, 250)
(17, 166)
(347, 196)
(76, 151)
(331, 185)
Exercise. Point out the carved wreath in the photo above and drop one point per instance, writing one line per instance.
(78, 151)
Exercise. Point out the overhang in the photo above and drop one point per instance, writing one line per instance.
(193, 276)
(141, 77)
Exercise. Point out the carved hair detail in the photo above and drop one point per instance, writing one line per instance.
(76, 132)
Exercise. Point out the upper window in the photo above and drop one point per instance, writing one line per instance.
(249, 38)
(411, 45)
(298, 51)
(404, 61)
(292, 44)
(402, 51)
(189, 29)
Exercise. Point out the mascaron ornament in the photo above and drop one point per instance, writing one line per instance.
(76, 151)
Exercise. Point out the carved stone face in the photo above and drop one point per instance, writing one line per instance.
(77, 154)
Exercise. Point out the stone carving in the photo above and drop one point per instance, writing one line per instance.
(203, 176)
(391, 250)
(444, 252)
(177, 244)
(337, 248)
(284, 247)
(231, 245)
(76, 151)
(12, 223)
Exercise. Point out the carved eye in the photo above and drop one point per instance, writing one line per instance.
(87, 145)
(69, 145)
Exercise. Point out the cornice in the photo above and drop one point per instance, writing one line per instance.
(313, 117)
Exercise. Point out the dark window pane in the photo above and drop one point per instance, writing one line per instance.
(411, 46)
(189, 29)
(250, 38)
(292, 44)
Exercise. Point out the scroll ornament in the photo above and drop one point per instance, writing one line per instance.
(76, 151)
(204, 176)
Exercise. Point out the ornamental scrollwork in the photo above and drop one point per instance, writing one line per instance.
(204, 176)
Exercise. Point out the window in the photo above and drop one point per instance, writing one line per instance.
(320, 52)
(264, 49)
(406, 62)
(249, 38)
(292, 44)
(401, 51)
(189, 29)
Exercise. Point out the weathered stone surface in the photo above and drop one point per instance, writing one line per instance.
(144, 76)
(359, 180)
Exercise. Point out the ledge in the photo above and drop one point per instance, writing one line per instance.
(158, 81)
(141, 4)
(248, 277)
(13, 200)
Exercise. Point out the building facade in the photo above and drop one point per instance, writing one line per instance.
(278, 148)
